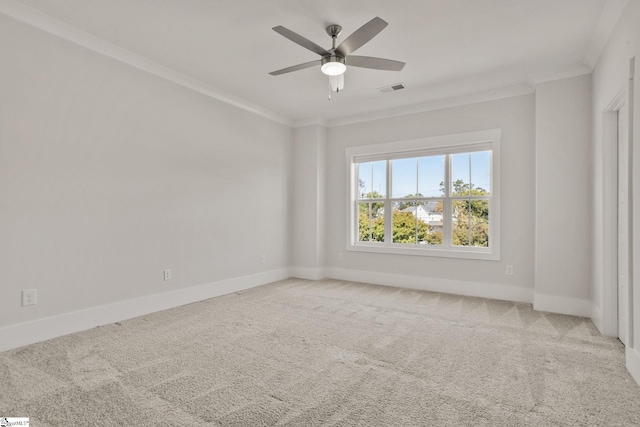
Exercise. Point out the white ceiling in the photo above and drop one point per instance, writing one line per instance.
(452, 48)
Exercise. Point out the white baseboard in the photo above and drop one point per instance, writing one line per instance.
(308, 273)
(43, 329)
(473, 289)
(562, 305)
(633, 363)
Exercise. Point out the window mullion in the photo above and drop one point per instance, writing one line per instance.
(416, 194)
(356, 208)
(388, 209)
(447, 223)
(372, 190)
(469, 211)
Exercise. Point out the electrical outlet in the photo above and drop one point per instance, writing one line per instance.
(340, 256)
(263, 259)
(167, 275)
(28, 297)
(509, 271)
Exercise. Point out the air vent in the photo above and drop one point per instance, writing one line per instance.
(392, 87)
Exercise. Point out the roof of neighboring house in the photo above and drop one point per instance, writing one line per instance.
(429, 207)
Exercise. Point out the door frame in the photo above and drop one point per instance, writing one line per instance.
(610, 210)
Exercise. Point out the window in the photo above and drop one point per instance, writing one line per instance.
(436, 196)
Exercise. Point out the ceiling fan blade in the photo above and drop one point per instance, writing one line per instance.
(315, 63)
(298, 39)
(375, 63)
(361, 36)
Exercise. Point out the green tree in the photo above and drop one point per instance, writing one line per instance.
(370, 217)
(376, 208)
(460, 188)
(469, 230)
(434, 238)
(471, 217)
(370, 229)
(406, 228)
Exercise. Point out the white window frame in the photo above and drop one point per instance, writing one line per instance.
(438, 145)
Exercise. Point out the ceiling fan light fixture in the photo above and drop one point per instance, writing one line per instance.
(333, 62)
(336, 83)
(333, 66)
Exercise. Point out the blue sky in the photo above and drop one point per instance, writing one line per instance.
(424, 174)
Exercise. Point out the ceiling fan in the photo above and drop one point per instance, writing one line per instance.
(334, 61)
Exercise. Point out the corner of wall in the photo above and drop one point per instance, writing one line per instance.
(596, 318)
(308, 273)
(562, 305)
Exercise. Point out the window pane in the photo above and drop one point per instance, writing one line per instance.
(460, 174)
(417, 222)
(434, 218)
(470, 223)
(405, 223)
(479, 223)
(379, 184)
(431, 176)
(364, 179)
(364, 222)
(481, 172)
(404, 176)
(460, 223)
(371, 221)
(372, 179)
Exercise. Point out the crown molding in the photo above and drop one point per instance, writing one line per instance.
(573, 70)
(610, 16)
(311, 121)
(607, 22)
(53, 26)
(438, 104)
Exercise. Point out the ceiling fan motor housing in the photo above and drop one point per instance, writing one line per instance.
(333, 61)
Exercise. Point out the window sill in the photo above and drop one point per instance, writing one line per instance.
(461, 253)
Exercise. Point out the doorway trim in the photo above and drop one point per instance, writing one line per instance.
(609, 251)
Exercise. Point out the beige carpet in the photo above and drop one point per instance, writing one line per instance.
(330, 353)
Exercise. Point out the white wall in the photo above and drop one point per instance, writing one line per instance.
(564, 222)
(515, 116)
(108, 175)
(610, 75)
(308, 227)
